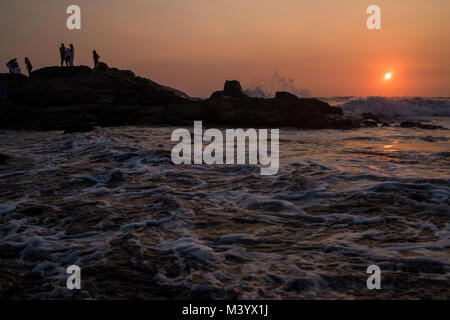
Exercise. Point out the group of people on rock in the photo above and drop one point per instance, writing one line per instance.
(67, 57)
(13, 66)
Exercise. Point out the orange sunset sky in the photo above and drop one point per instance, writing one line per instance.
(195, 45)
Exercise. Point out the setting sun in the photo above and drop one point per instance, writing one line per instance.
(388, 76)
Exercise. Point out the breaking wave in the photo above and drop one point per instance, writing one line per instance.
(398, 107)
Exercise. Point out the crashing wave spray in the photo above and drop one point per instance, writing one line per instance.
(277, 83)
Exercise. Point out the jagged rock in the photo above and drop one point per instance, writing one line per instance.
(233, 88)
(285, 95)
(411, 124)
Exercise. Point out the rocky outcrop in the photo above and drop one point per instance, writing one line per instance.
(232, 106)
(76, 99)
(56, 86)
(79, 98)
(233, 89)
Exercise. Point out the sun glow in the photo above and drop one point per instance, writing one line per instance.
(388, 76)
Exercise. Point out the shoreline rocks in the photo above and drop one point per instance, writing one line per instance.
(76, 99)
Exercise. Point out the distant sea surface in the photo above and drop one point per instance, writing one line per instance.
(112, 202)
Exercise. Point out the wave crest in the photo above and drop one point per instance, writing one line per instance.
(398, 107)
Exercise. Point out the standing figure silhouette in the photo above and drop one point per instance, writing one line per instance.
(29, 66)
(68, 55)
(62, 53)
(72, 55)
(96, 58)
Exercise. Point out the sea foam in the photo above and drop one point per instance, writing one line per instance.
(398, 107)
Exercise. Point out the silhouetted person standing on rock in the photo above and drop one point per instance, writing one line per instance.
(72, 55)
(96, 58)
(29, 66)
(62, 53)
(67, 54)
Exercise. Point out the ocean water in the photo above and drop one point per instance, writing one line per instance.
(112, 202)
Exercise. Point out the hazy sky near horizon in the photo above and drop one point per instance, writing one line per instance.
(195, 45)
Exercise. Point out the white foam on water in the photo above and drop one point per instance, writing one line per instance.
(404, 108)
(343, 200)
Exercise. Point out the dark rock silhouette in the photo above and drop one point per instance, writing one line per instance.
(370, 123)
(285, 95)
(102, 67)
(76, 99)
(231, 106)
(370, 116)
(412, 124)
(81, 85)
(233, 88)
